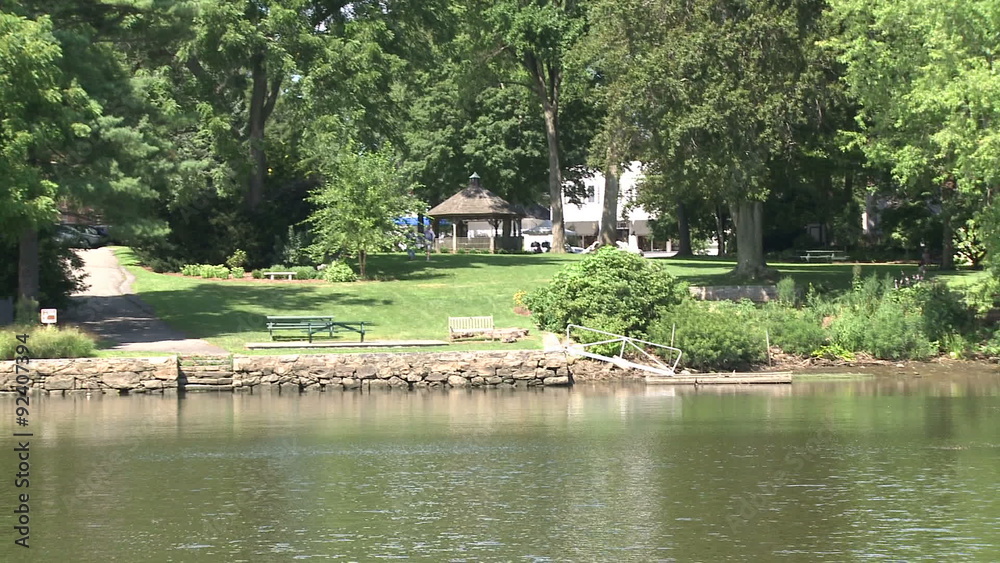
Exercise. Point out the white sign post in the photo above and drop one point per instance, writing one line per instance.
(49, 316)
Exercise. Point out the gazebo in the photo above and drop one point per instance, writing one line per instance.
(476, 203)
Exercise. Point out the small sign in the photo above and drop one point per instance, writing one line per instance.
(49, 316)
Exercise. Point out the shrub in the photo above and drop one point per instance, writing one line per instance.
(237, 260)
(205, 271)
(797, 334)
(608, 283)
(304, 272)
(889, 332)
(257, 274)
(712, 336)
(786, 292)
(161, 265)
(613, 325)
(45, 342)
(338, 272)
(941, 309)
(237, 272)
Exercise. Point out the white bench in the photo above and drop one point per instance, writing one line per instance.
(823, 256)
(287, 275)
(464, 327)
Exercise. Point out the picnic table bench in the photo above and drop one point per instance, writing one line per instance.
(462, 327)
(824, 256)
(313, 324)
(288, 275)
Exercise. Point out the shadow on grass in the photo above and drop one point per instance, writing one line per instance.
(205, 310)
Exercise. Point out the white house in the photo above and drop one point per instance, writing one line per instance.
(632, 225)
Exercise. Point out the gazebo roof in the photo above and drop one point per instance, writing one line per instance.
(474, 202)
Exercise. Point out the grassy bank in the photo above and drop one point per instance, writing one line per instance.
(413, 298)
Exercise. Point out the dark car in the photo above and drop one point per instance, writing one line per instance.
(79, 236)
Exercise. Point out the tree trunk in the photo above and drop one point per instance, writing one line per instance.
(27, 264)
(262, 100)
(555, 176)
(609, 215)
(749, 219)
(362, 259)
(720, 230)
(947, 229)
(683, 231)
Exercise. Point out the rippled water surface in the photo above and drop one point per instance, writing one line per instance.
(837, 470)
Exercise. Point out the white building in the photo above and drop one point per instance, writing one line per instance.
(632, 224)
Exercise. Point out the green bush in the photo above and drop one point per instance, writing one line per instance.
(45, 342)
(787, 294)
(609, 283)
(304, 272)
(941, 309)
(237, 272)
(795, 332)
(890, 332)
(257, 274)
(713, 336)
(338, 272)
(613, 325)
(237, 260)
(205, 271)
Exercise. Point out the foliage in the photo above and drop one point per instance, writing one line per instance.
(237, 272)
(257, 274)
(338, 271)
(60, 272)
(293, 249)
(713, 335)
(787, 294)
(833, 352)
(942, 309)
(877, 318)
(206, 271)
(47, 342)
(304, 272)
(361, 197)
(237, 260)
(794, 331)
(608, 283)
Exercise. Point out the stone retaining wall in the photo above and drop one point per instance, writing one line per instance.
(756, 293)
(311, 372)
(95, 374)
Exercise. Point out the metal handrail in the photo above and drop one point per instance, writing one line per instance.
(625, 341)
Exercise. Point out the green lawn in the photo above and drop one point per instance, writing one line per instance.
(415, 298)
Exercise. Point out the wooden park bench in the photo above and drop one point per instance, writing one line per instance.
(310, 325)
(824, 256)
(466, 327)
(287, 275)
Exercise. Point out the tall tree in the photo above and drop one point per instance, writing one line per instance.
(722, 85)
(532, 38)
(360, 197)
(924, 75)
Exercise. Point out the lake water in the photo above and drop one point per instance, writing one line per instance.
(883, 468)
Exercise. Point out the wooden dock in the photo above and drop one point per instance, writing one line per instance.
(732, 378)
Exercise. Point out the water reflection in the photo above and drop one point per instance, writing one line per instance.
(889, 467)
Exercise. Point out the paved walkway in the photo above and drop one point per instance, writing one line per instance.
(109, 308)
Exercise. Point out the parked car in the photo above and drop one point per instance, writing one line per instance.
(79, 236)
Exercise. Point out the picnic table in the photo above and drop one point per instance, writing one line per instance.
(313, 324)
(824, 255)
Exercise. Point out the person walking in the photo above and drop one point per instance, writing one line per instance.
(429, 241)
